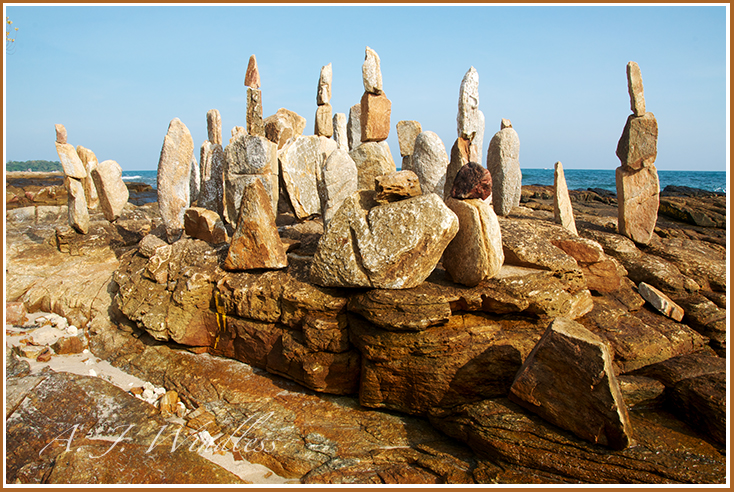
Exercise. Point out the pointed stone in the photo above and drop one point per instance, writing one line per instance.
(430, 162)
(505, 123)
(460, 153)
(323, 125)
(252, 76)
(60, 134)
(660, 301)
(339, 123)
(78, 212)
(284, 125)
(204, 224)
(375, 117)
(397, 186)
(255, 113)
(90, 162)
(214, 126)
(373, 159)
(475, 254)
(472, 182)
(323, 92)
(636, 91)
(568, 379)
(638, 145)
(562, 210)
(354, 127)
(408, 131)
(371, 74)
(638, 200)
(211, 164)
(113, 193)
(299, 161)
(255, 243)
(467, 120)
(73, 166)
(339, 181)
(174, 176)
(503, 164)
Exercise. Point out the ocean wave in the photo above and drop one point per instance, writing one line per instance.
(132, 177)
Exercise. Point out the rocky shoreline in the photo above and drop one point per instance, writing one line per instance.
(367, 385)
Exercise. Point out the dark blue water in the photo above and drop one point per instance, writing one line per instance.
(576, 179)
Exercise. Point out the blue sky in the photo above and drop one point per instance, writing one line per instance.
(115, 76)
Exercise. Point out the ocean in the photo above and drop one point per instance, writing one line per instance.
(576, 179)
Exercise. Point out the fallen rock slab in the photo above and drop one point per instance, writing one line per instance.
(660, 301)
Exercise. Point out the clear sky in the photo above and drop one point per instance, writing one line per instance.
(115, 76)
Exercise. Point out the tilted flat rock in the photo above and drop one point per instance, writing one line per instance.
(504, 165)
(638, 145)
(300, 160)
(78, 212)
(339, 181)
(73, 166)
(660, 301)
(113, 194)
(174, 169)
(396, 186)
(568, 379)
(373, 159)
(407, 131)
(392, 246)
(430, 161)
(475, 253)
(562, 209)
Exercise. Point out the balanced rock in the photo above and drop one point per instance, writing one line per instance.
(78, 212)
(339, 123)
(283, 125)
(408, 131)
(323, 92)
(475, 253)
(113, 193)
(660, 301)
(323, 125)
(503, 164)
(397, 186)
(61, 134)
(460, 156)
(249, 158)
(214, 126)
(374, 117)
(637, 147)
(300, 160)
(90, 162)
(429, 162)
(638, 198)
(73, 166)
(255, 243)
(467, 119)
(255, 124)
(354, 127)
(237, 130)
(174, 176)
(562, 210)
(472, 181)
(252, 75)
(373, 159)
(634, 86)
(568, 379)
(204, 224)
(212, 167)
(339, 182)
(392, 246)
(371, 74)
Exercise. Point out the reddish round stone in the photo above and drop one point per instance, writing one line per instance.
(472, 181)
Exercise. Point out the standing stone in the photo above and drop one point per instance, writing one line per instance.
(323, 92)
(194, 180)
(73, 166)
(174, 176)
(472, 181)
(503, 163)
(61, 134)
(371, 73)
(113, 193)
(252, 75)
(460, 156)
(475, 253)
(430, 162)
(636, 91)
(562, 210)
(339, 182)
(212, 177)
(339, 123)
(90, 162)
(255, 243)
(637, 147)
(467, 120)
(300, 160)
(255, 113)
(375, 117)
(214, 126)
(78, 212)
(568, 379)
(408, 131)
(475, 148)
(249, 158)
(373, 159)
(638, 199)
(354, 127)
(283, 125)
(323, 125)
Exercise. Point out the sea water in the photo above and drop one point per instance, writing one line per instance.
(576, 179)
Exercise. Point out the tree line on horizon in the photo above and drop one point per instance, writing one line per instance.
(38, 166)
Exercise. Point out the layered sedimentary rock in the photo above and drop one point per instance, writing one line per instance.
(504, 165)
(174, 175)
(430, 161)
(562, 210)
(249, 158)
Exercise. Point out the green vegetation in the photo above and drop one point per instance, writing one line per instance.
(40, 166)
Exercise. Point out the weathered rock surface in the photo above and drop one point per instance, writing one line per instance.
(635, 89)
(471, 181)
(392, 246)
(255, 125)
(371, 73)
(430, 161)
(90, 190)
(249, 158)
(174, 174)
(504, 165)
(568, 379)
(562, 210)
(408, 131)
(467, 119)
(637, 147)
(113, 194)
(660, 301)
(339, 181)
(214, 126)
(323, 91)
(204, 224)
(283, 125)
(323, 123)
(78, 212)
(339, 122)
(397, 186)
(300, 161)
(460, 156)
(73, 166)
(354, 127)
(252, 75)
(61, 134)
(373, 159)
(374, 117)
(475, 253)
(212, 177)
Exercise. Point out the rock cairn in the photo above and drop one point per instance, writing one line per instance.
(430, 162)
(174, 177)
(340, 131)
(74, 175)
(475, 253)
(408, 131)
(254, 99)
(249, 158)
(324, 125)
(503, 163)
(638, 186)
(372, 155)
(212, 164)
(562, 210)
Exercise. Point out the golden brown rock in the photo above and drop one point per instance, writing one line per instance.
(375, 117)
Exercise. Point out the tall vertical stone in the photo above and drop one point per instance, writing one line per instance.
(562, 210)
(300, 160)
(354, 127)
(252, 75)
(371, 73)
(113, 193)
(78, 212)
(475, 148)
(174, 177)
(214, 126)
(503, 163)
(339, 122)
(323, 92)
(212, 167)
(430, 162)
(194, 180)
(635, 89)
(638, 199)
(249, 158)
(90, 162)
(467, 119)
(255, 113)
(339, 181)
